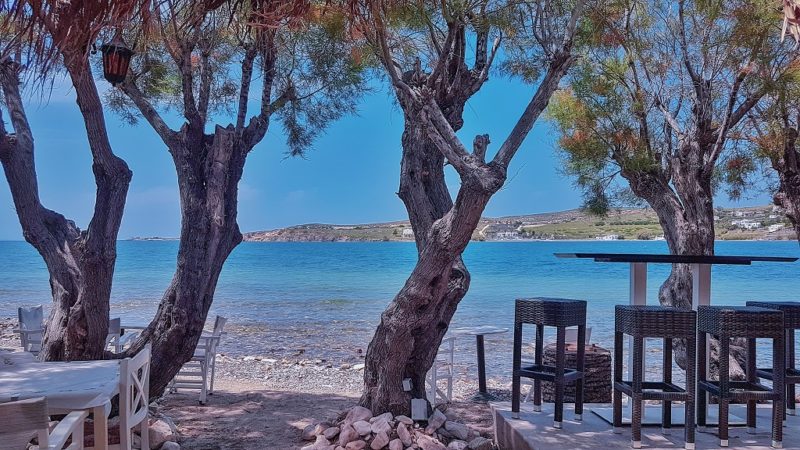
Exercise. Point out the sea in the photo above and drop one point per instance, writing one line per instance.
(323, 300)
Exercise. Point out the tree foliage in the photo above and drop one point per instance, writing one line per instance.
(663, 79)
(314, 77)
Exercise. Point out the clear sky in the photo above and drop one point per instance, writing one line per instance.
(350, 176)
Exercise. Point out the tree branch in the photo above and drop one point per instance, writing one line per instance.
(146, 109)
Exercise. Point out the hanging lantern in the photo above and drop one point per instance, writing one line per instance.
(116, 58)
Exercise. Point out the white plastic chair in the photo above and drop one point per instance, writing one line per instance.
(442, 370)
(134, 399)
(114, 334)
(198, 373)
(570, 337)
(23, 420)
(31, 328)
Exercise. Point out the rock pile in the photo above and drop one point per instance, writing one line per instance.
(360, 430)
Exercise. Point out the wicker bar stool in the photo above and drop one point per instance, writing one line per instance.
(750, 322)
(640, 322)
(558, 313)
(791, 322)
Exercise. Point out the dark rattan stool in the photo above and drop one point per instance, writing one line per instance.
(551, 312)
(642, 322)
(791, 322)
(726, 322)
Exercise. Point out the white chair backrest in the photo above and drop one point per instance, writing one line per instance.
(20, 420)
(134, 388)
(447, 348)
(219, 324)
(31, 318)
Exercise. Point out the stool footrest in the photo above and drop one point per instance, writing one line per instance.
(654, 390)
(792, 375)
(548, 373)
(740, 390)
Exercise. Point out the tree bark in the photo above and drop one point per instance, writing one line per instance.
(685, 212)
(787, 164)
(209, 170)
(80, 263)
(407, 339)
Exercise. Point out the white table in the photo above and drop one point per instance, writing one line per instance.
(67, 386)
(479, 332)
(701, 274)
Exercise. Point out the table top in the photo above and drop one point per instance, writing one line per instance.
(66, 385)
(675, 259)
(479, 330)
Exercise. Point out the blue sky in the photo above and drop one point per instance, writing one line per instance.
(350, 176)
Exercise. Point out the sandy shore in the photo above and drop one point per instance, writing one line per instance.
(265, 401)
(244, 415)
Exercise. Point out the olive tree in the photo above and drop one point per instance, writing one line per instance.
(200, 60)
(41, 39)
(425, 52)
(656, 101)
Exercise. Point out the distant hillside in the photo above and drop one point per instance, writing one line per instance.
(752, 223)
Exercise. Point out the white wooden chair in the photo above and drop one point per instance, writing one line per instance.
(114, 335)
(570, 337)
(134, 399)
(31, 328)
(23, 420)
(442, 370)
(198, 373)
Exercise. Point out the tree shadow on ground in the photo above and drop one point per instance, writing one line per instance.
(256, 419)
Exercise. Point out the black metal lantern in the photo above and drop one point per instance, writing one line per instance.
(116, 58)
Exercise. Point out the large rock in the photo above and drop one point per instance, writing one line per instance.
(309, 432)
(404, 419)
(426, 442)
(356, 445)
(481, 443)
(357, 413)
(435, 421)
(160, 432)
(381, 440)
(457, 430)
(320, 444)
(381, 425)
(362, 427)
(331, 432)
(387, 416)
(396, 444)
(404, 435)
(457, 445)
(347, 435)
(169, 445)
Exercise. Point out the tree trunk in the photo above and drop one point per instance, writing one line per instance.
(686, 214)
(407, 340)
(80, 264)
(209, 169)
(787, 164)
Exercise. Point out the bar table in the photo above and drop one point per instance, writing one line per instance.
(701, 274)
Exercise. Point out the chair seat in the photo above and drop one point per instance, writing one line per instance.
(654, 390)
(741, 390)
(548, 373)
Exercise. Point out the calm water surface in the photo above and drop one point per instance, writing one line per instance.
(296, 294)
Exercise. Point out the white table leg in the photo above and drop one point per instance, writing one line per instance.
(638, 296)
(100, 428)
(701, 295)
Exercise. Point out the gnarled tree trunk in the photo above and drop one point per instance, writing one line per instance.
(407, 339)
(209, 169)
(80, 263)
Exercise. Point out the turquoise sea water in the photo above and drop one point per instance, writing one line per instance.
(295, 292)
